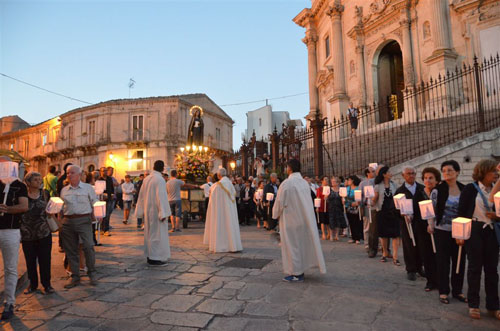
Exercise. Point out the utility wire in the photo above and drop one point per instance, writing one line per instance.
(44, 89)
(263, 100)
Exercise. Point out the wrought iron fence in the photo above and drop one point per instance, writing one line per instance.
(437, 113)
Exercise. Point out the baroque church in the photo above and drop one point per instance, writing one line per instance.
(369, 51)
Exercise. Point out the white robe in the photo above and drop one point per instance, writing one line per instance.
(222, 230)
(152, 206)
(300, 246)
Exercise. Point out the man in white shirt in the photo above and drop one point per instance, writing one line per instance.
(128, 190)
(206, 190)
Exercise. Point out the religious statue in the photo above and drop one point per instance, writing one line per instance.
(195, 132)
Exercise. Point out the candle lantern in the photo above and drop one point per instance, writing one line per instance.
(54, 205)
(100, 209)
(317, 203)
(358, 195)
(270, 196)
(461, 228)
(326, 191)
(100, 187)
(369, 191)
(406, 206)
(426, 209)
(497, 203)
(397, 200)
(259, 194)
(343, 192)
(374, 166)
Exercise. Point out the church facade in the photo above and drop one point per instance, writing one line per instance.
(127, 134)
(369, 51)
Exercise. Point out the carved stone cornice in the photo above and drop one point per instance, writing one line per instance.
(324, 78)
(310, 40)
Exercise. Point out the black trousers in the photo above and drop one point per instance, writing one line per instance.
(356, 226)
(447, 253)
(426, 253)
(206, 208)
(38, 250)
(482, 253)
(272, 223)
(373, 234)
(247, 212)
(411, 255)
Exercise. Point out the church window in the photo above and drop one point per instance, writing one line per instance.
(91, 132)
(327, 47)
(44, 138)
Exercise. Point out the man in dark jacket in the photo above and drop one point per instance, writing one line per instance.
(271, 187)
(109, 196)
(247, 204)
(412, 258)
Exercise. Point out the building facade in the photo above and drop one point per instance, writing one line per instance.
(262, 121)
(369, 51)
(128, 134)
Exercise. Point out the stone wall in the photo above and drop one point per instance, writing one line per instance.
(466, 152)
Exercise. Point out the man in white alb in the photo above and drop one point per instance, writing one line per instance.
(300, 246)
(222, 232)
(153, 206)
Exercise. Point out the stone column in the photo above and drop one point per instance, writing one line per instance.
(409, 74)
(360, 59)
(440, 27)
(335, 13)
(310, 40)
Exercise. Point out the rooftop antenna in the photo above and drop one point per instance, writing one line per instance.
(131, 84)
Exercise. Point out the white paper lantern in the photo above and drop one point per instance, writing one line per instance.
(9, 171)
(54, 205)
(397, 200)
(369, 191)
(461, 228)
(100, 209)
(497, 203)
(374, 166)
(326, 191)
(426, 209)
(358, 196)
(100, 187)
(343, 191)
(317, 203)
(270, 196)
(406, 206)
(259, 194)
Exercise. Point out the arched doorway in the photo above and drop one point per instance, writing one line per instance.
(390, 82)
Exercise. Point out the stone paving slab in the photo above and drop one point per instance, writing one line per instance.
(194, 291)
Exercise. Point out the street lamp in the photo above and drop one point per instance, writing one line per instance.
(232, 164)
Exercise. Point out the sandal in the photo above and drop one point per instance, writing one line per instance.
(461, 298)
(444, 299)
(494, 313)
(475, 313)
(396, 262)
(383, 259)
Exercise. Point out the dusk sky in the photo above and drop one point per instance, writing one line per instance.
(233, 51)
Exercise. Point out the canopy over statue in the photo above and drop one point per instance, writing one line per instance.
(195, 132)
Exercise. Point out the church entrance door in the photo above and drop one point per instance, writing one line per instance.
(390, 82)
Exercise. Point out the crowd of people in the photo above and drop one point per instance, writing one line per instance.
(300, 209)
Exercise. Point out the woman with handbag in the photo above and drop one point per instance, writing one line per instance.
(482, 247)
(36, 237)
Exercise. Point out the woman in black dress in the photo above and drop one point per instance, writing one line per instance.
(387, 215)
(335, 210)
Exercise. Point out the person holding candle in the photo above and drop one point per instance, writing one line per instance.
(413, 262)
(271, 187)
(387, 214)
(425, 228)
(322, 193)
(259, 208)
(482, 247)
(447, 202)
(36, 236)
(352, 209)
(335, 210)
(369, 221)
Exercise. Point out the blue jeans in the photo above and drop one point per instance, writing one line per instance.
(110, 205)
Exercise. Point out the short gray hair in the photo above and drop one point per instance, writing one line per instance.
(30, 175)
(274, 175)
(77, 168)
(409, 168)
(221, 172)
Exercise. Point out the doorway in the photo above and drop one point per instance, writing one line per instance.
(390, 82)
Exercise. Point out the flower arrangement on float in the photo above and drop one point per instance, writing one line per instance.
(193, 162)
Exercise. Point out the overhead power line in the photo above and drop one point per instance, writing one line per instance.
(263, 100)
(44, 89)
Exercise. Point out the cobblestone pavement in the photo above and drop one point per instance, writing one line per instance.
(194, 291)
